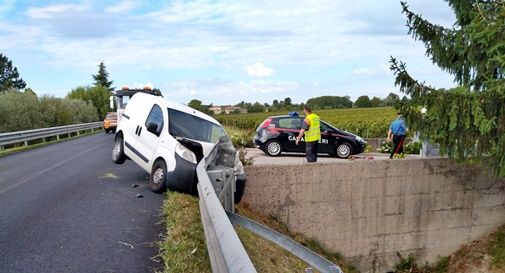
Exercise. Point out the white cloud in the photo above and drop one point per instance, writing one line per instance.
(54, 10)
(259, 70)
(378, 70)
(230, 91)
(121, 7)
(334, 40)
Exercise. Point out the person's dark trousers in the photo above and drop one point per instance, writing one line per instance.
(311, 150)
(398, 141)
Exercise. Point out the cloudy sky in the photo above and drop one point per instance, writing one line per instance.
(219, 51)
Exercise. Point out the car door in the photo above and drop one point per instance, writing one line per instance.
(327, 143)
(289, 128)
(148, 135)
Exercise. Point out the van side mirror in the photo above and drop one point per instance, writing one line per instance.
(153, 128)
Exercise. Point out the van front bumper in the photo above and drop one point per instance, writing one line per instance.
(183, 178)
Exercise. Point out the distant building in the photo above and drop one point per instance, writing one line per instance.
(216, 110)
(227, 109)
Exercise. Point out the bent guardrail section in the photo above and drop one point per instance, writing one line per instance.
(216, 188)
(226, 252)
(295, 248)
(28, 135)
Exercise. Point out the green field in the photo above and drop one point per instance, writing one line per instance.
(366, 122)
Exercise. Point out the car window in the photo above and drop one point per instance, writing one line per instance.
(290, 123)
(325, 127)
(188, 126)
(156, 117)
(111, 116)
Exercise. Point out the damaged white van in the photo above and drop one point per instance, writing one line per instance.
(168, 139)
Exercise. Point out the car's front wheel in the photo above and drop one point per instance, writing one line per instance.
(273, 148)
(344, 150)
(118, 155)
(158, 177)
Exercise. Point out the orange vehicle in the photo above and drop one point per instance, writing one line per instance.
(110, 122)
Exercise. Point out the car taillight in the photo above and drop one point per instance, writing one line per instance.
(266, 123)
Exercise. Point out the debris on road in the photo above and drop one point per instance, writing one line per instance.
(134, 185)
(140, 196)
(127, 244)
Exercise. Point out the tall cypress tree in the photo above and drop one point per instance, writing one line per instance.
(102, 77)
(9, 76)
(467, 121)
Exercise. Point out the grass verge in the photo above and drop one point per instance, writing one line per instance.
(14, 150)
(484, 255)
(277, 225)
(183, 248)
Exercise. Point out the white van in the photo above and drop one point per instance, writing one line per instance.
(167, 140)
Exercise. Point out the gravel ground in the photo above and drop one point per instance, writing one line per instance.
(260, 158)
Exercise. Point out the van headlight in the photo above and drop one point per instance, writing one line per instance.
(185, 153)
(361, 140)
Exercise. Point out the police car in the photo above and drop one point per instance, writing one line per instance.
(167, 140)
(278, 134)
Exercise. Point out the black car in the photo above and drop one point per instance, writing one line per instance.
(278, 134)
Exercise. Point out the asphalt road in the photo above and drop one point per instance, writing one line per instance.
(67, 208)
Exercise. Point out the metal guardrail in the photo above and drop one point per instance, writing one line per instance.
(27, 135)
(226, 252)
(216, 188)
(295, 248)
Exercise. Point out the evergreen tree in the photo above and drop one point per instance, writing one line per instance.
(9, 76)
(467, 121)
(102, 77)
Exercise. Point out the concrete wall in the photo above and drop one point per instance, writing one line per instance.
(370, 210)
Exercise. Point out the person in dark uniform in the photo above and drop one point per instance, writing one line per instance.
(311, 132)
(396, 133)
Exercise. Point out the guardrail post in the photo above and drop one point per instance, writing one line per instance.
(26, 143)
(57, 137)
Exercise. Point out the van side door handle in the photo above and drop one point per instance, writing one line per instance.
(140, 130)
(137, 130)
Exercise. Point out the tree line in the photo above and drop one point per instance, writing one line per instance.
(323, 102)
(22, 109)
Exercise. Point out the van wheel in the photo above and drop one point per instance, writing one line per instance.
(344, 150)
(239, 188)
(158, 177)
(273, 148)
(118, 155)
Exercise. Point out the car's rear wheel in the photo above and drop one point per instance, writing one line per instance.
(344, 150)
(106, 131)
(273, 148)
(158, 177)
(118, 155)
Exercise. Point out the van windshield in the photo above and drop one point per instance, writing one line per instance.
(188, 126)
